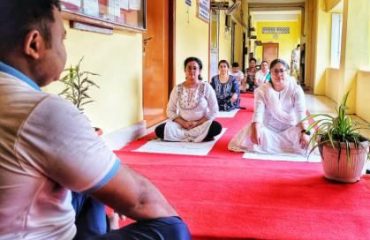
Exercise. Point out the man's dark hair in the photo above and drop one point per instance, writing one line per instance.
(253, 59)
(235, 64)
(18, 17)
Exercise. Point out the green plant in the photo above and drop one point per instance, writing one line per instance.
(336, 131)
(77, 83)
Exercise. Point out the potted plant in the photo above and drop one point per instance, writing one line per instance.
(77, 84)
(343, 149)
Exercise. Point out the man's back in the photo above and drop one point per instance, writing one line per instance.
(41, 208)
(48, 148)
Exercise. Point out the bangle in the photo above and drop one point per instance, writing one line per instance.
(306, 132)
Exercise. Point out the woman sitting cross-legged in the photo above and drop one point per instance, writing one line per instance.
(276, 126)
(226, 87)
(191, 109)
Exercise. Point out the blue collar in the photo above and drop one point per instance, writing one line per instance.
(15, 73)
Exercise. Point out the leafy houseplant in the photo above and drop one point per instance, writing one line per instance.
(343, 149)
(77, 84)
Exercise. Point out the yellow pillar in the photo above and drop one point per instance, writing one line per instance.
(330, 4)
(355, 46)
(321, 46)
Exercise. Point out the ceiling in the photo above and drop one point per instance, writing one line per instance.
(275, 10)
(275, 1)
(286, 15)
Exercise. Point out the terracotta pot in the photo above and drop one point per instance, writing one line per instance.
(342, 169)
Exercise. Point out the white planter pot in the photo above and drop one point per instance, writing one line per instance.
(343, 169)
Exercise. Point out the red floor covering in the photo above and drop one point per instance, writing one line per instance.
(222, 196)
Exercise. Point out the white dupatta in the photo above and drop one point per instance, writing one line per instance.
(273, 102)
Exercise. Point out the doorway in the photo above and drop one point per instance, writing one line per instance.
(157, 63)
(270, 51)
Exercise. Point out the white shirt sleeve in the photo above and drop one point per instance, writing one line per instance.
(58, 140)
(172, 106)
(259, 106)
(210, 95)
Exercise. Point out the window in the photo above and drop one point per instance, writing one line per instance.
(336, 37)
(114, 14)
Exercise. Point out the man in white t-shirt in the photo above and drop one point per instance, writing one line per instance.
(235, 71)
(48, 148)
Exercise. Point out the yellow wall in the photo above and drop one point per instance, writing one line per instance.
(363, 96)
(192, 39)
(287, 42)
(332, 76)
(355, 47)
(118, 59)
(322, 48)
(355, 53)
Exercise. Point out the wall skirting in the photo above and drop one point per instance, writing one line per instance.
(118, 139)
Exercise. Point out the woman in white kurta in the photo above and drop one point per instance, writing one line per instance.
(276, 125)
(191, 109)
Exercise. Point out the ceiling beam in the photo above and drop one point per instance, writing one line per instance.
(274, 6)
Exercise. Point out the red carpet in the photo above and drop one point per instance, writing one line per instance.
(222, 196)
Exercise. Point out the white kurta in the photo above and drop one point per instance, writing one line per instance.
(191, 104)
(260, 78)
(278, 114)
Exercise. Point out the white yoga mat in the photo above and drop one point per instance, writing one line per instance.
(183, 148)
(290, 157)
(229, 114)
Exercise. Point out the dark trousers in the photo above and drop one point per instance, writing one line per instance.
(91, 223)
(213, 131)
(167, 228)
(90, 216)
(226, 105)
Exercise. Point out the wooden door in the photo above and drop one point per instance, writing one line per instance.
(270, 51)
(156, 62)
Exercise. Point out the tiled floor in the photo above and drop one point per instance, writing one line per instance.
(320, 104)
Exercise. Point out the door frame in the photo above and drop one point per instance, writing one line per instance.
(169, 17)
(269, 43)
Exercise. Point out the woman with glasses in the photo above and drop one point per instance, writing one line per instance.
(226, 87)
(276, 125)
(191, 109)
